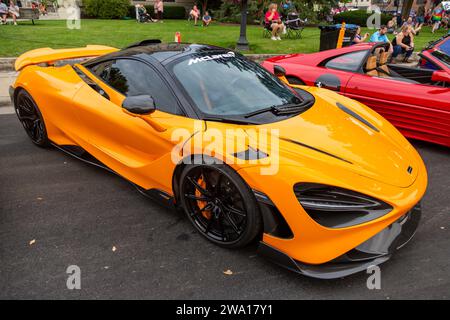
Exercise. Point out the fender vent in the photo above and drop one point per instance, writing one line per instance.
(357, 116)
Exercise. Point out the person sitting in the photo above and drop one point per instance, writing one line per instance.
(392, 25)
(403, 43)
(13, 11)
(358, 38)
(415, 28)
(273, 21)
(194, 14)
(144, 16)
(206, 19)
(3, 12)
(380, 36)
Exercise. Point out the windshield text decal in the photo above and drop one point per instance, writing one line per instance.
(213, 57)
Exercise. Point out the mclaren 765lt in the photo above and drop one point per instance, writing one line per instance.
(329, 189)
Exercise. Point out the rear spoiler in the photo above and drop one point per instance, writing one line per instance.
(48, 55)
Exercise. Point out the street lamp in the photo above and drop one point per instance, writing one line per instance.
(242, 43)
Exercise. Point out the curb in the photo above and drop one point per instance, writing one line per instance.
(7, 64)
(5, 102)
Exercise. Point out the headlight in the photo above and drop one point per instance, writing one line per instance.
(335, 207)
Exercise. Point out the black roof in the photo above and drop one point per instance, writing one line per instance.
(159, 51)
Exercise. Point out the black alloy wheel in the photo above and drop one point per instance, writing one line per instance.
(220, 205)
(31, 118)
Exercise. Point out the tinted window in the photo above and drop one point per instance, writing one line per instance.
(445, 58)
(348, 62)
(134, 78)
(226, 84)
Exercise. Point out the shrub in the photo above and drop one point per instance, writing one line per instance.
(174, 12)
(358, 17)
(106, 9)
(170, 12)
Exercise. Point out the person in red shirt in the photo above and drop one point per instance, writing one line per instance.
(273, 21)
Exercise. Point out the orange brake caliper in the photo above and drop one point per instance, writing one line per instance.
(201, 204)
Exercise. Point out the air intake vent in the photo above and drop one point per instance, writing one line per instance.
(357, 116)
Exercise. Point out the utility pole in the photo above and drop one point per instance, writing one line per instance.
(406, 9)
(242, 43)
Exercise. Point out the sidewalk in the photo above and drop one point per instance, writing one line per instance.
(6, 79)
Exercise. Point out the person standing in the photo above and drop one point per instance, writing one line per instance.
(159, 10)
(436, 18)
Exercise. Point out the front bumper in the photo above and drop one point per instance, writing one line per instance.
(374, 251)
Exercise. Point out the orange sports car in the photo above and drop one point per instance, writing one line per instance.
(325, 184)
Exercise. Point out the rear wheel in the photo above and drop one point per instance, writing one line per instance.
(31, 118)
(220, 205)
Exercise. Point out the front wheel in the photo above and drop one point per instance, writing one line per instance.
(31, 118)
(220, 205)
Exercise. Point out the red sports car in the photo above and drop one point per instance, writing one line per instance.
(416, 99)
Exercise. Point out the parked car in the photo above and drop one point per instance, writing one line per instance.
(346, 186)
(415, 99)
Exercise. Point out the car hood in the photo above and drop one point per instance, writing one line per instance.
(350, 134)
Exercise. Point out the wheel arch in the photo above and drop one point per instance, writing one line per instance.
(273, 221)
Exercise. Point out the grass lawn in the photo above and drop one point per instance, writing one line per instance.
(15, 40)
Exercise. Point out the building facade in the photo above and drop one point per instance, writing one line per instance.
(391, 5)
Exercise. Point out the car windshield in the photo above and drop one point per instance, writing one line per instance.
(443, 57)
(226, 84)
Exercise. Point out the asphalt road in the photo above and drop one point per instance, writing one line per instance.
(76, 214)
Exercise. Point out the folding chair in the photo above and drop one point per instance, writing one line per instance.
(267, 30)
(294, 26)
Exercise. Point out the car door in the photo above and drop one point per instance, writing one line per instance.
(138, 148)
(412, 107)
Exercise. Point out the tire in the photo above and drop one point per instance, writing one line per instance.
(31, 118)
(295, 80)
(220, 205)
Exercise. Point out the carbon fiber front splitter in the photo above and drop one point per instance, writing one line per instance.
(374, 251)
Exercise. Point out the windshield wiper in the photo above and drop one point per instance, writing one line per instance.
(281, 109)
(228, 120)
(290, 108)
(254, 113)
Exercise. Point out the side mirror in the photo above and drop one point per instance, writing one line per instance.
(279, 71)
(440, 76)
(140, 105)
